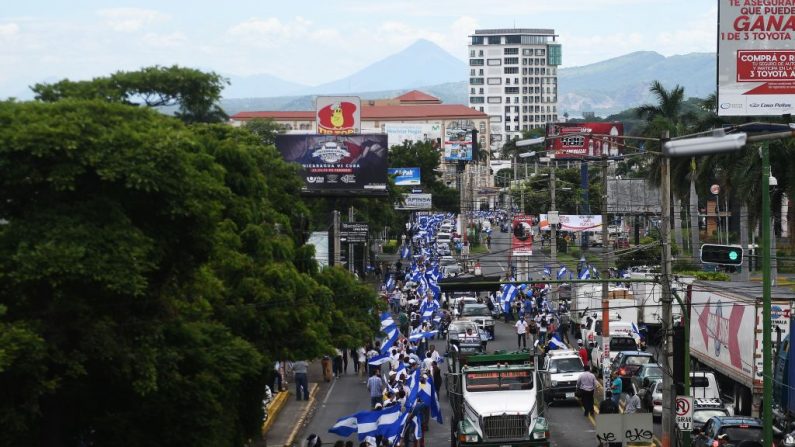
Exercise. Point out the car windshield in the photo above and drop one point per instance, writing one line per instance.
(702, 415)
(499, 380)
(652, 371)
(475, 311)
(623, 344)
(565, 365)
(637, 360)
(742, 433)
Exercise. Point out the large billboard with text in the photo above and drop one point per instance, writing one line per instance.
(522, 235)
(405, 176)
(338, 164)
(584, 140)
(756, 58)
(458, 144)
(573, 222)
(402, 132)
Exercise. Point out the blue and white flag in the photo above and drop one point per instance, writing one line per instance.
(428, 308)
(379, 359)
(547, 271)
(386, 321)
(414, 388)
(419, 335)
(556, 343)
(378, 422)
(562, 272)
(392, 334)
(427, 394)
(405, 253)
(390, 283)
(635, 330)
(346, 426)
(508, 294)
(585, 273)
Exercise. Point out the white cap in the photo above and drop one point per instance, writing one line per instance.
(579, 342)
(370, 441)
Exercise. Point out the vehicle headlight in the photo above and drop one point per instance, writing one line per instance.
(553, 382)
(468, 438)
(539, 435)
(789, 440)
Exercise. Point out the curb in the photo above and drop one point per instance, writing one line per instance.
(274, 409)
(300, 422)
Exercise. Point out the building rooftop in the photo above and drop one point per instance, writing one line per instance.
(375, 113)
(417, 96)
(484, 32)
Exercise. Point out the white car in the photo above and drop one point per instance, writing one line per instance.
(562, 369)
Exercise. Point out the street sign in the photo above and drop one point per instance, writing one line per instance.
(353, 232)
(684, 413)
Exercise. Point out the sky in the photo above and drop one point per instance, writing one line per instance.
(313, 42)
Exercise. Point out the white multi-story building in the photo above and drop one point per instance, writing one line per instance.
(513, 77)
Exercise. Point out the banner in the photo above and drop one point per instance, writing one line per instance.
(756, 58)
(400, 132)
(338, 115)
(405, 176)
(576, 140)
(414, 201)
(574, 222)
(522, 235)
(458, 144)
(338, 164)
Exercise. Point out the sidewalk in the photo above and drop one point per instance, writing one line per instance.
(291, 415)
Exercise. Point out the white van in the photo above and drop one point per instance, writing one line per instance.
(444, 238)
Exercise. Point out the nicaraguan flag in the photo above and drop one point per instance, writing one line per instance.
(392, 334)
(508, 293)
(374, 423)
(585, 273)
(635, 329)
(413, 383)
(427, 394)
(386, 321)
(345, 426)
(390, 283)
(379, 359)
(555, 343)
(420, 335)
(562, 272)
(547, 271)
(405, 253)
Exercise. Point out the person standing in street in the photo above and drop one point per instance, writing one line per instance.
(300, 368)
(607, 406)
(586, 383)
(616, 386)
(376, 388)
(582, 352)
(521, 333)
(633, 404)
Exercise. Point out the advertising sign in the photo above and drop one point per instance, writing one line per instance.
(756, 58)
(338, 115)
(338, 164)
(584, 140)
(405, 176)
(414, 201)
(522, 235)
(573, 222)
(458, 144)
(399, 132)
(352, 232)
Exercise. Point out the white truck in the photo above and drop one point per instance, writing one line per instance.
(647, 296)
(726, 334)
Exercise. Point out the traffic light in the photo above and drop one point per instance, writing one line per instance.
(721, 254)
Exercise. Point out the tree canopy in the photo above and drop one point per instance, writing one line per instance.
(150, 273)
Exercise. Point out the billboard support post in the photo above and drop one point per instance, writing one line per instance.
(606, 248)
(767, 325)
(668, 391)
(351, 267)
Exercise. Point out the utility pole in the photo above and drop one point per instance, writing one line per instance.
(337, 246)
(767, 324)
(553, 230)
(351, 265)
(669, 392)
(605, 292)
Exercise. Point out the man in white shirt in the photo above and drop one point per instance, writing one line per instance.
(521, 332)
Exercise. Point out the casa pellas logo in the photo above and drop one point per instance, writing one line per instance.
(338, 119)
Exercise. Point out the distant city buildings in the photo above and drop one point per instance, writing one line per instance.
(513, 77)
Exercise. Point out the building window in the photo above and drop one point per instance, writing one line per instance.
(510, 51)
(507, 110)
(480, 72)
(495, 119)
(507, 80)
(472, 90)
(480, 90)
(511, 70)
(476, 100)
(511, 90)
(494, 40)
(481, 109)
(471, 53)
(475, 62)
(494, 100)
(476, 81)
(494, 81)
(494, 62)
(540, 52)
(511, 60)
(472, 72)
(477, 40)
(513, 39)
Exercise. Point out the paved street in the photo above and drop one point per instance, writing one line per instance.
(348, 395)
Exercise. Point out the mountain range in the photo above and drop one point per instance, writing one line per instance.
(604, 87)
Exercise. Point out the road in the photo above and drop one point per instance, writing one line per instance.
(348, 395)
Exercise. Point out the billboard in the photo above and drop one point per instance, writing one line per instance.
(632, 196)
(756, 58)
(338, 115)
(405, 176)
(575, 140)
(458, 144)
(414, 201)
(573, 222)
(522, 235)
(399, 132)
(338, 164)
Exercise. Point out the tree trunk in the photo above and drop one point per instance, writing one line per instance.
(678, 223)
(694, 229)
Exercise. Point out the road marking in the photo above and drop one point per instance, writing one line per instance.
(328, 393)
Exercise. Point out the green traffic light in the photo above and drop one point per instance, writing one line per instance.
(733, 255)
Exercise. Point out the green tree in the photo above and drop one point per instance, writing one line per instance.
(194, 94)
(427, 158)
(265, 129)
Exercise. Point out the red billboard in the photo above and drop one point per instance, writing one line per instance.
(522, 235)
(585, 140)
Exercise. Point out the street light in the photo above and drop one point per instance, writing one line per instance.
(530, 141)
(719, 142)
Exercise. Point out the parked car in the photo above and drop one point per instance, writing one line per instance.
(704, 409)
(644, 375)
(737, 428)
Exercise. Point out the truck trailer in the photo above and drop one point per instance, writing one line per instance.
(726, 334)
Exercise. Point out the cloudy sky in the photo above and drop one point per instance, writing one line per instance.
(313, 42)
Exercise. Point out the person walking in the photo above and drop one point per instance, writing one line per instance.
(607, 406)
(376, 388)
(532, 331)
(300, 368)
(582, 352)
(586, 383)
(521, 333)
